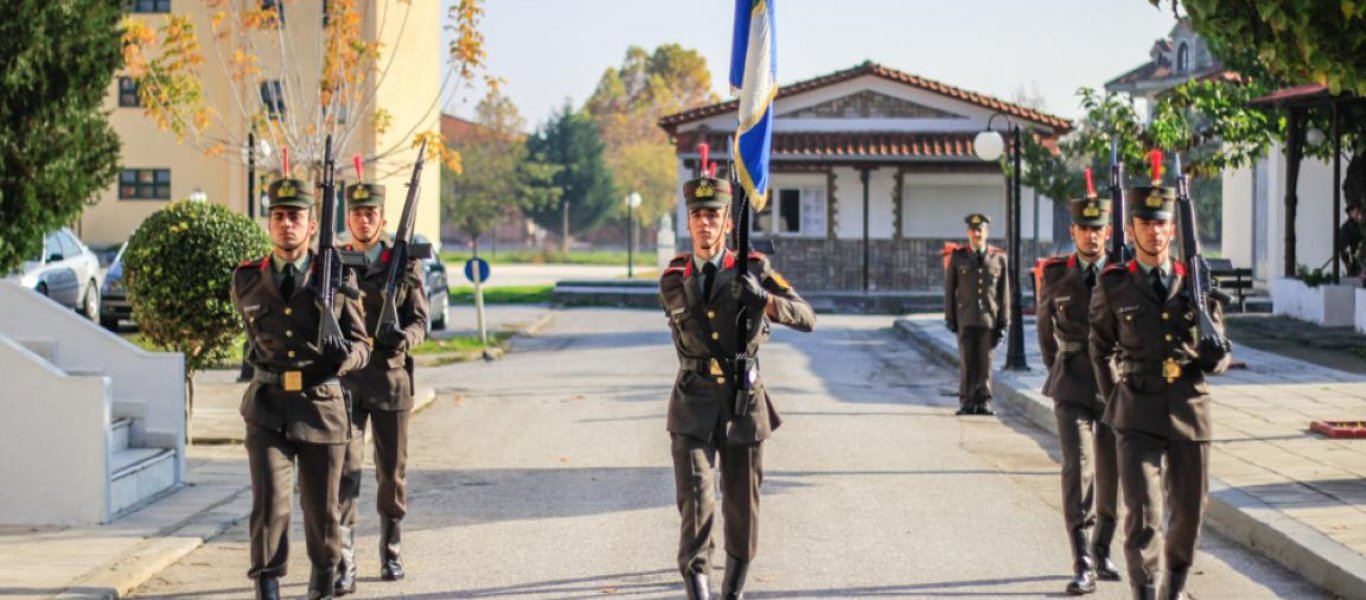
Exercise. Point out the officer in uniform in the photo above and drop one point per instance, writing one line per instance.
(702, 294)
(294, 407)
(1090, 477)
(1151, 370)
(382, 392)
(975, 289)
(1351, 238)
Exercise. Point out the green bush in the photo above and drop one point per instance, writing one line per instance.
(178, 270)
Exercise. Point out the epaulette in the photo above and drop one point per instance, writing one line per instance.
(254, 262)
(679, 265)
(1055, 261)
(1116, 268)
(756, 255)
(995, 250)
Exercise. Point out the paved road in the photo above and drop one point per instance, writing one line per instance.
(546, 475)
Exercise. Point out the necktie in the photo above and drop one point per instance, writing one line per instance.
(1159, 285)
(287, 283)
(708, 275)
(1091, 276)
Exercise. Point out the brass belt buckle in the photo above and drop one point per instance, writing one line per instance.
(714, 367)
(294, 381)
(1171, 370)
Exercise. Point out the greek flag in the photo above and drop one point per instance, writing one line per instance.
(754, 73)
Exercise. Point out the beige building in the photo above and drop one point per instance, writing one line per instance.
(155, 169)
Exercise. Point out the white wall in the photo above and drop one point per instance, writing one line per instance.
(849, 196)
(935, 205)
(1236, 227)
(1313, 215)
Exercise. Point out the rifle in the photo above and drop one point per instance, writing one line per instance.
(403, 248)
(746, 367)
(1198, 284)
(331, 258)
(1119, 249)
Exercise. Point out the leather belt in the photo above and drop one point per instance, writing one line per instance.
(706, 366)
(293, 381)
(1070, 347)
(1128, 367)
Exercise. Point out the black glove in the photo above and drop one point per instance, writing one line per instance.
(952, 327)
(752, 293)
(1210, 356)
(335, 349)
(391, 336)
(996, 336)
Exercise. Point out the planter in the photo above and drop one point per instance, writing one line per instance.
(1327, 305)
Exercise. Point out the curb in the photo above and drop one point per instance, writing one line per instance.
(1230, 511)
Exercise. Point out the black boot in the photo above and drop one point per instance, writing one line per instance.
(984, 408)
(1084, 581)
(321, 584)
(1176, 585)
(1106, 569)
(390, 545)
(267, 588)
(1145, 592)
(697, 586)
(733, 586)
(346, 568)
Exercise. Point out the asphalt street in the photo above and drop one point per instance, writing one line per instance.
(546, 475)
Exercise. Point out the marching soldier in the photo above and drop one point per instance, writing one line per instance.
(1151, 370)
(382, 392)
(1090, 478)
(702, 294)
(294, 408)
(975, 289)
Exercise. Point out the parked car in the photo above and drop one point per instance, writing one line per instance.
(66, 271)
(114, 304)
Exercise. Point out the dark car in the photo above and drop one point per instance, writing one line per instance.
(438, 287)
(114, 304)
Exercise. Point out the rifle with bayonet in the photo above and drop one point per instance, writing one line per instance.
(331, 258)
(403, 248)
(1119, 248)
(1198, 284)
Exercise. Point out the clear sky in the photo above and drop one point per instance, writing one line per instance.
(550, 50)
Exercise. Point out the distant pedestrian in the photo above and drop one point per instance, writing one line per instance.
(975, 290)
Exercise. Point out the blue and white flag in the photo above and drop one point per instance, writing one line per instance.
(754, 72)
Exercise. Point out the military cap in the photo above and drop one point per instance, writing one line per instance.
(976, 220)
(706, 192)
(1093, 212)
(1151, 202)
(364, 194)
(290, 192)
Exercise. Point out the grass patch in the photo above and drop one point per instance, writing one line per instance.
(468, 343)
(456, 259)
(516, 294)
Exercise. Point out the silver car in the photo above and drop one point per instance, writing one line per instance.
(67, 272)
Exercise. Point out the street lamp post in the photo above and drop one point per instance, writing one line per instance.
(632, 202)
(988, 145)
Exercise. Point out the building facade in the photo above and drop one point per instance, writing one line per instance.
(156, 169)
(872, 172)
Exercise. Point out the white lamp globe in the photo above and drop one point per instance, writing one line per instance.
(633, 200)
(1316, 137)
(988, 145)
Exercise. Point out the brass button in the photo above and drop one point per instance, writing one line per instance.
(291, 354)
(711, 314)
(1169, 337)
(289, 333)
(715, 336)
(289, 311)
(721, 380)
(1166, 316)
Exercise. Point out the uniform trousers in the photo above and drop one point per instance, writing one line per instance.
(1144, 478)
(1090, 469)
(271, 457)
(975, 353)
(742, 472)
(390, 432)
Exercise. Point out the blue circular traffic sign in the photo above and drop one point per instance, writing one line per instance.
(483, 270)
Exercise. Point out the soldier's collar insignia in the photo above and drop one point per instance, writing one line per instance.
(361, 193)
(1091, 210)
(704, 190)
(287, 190)
(1154, 201)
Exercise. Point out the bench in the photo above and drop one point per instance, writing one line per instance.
(1236, 281)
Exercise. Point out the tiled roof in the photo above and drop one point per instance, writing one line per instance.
(860, 145)
(671, 122)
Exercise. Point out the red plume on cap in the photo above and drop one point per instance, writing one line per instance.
(705, 150)
(1090, 184)
(1155, 157)
(284, 162)
(360, 172)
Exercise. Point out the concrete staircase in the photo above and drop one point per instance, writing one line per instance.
(94, 426)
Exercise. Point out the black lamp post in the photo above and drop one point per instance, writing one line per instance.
(988, 145)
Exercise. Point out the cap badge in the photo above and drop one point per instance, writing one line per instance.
(976, 220)
(704, 190)
(1154, 201)
(1091, 211)
(287, 190)
(361, 193)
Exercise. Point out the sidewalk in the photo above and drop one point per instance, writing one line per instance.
(1290, 494)
(111, 560)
